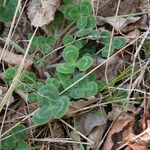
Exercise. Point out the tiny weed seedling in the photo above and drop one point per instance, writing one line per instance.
(17, 139)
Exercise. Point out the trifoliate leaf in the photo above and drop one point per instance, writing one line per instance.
(105, 50)
(9, 143)
(32, 98)
(78, 44)
(85, 7)
(20, 132)
(61, 107)
(91, 89)
(53, 81)
(63, 77)
(22, 145)
(65, 68)
(45, 48)
(83, 32)
(119, 42)
(83, 82)
(50, 40)
(94, 35)
(10, 73)
(78, 92)
(71, 54)
(71, 12)
(68, 39)
(84, 63)
(47, 94)
(82, 22)
(105, 37)
(58, 21)
(91, 22)
(42, 115)
(92, 77)
(7, 12)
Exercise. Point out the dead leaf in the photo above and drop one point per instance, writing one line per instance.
(96, 135)
(137, 147)
(15, 59)
(132, 35)
(80, 104)
(88, 121)
(119, 127)
(145, 6)
(42, 12)
(121, 22)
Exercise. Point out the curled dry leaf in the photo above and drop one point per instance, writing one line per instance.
(119, 131)
(42, 12)
(15, 59)
(96, 135)
(121, 22)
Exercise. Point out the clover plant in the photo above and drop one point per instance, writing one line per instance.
(117, 43)
(76, 62)
(51, 104)
(71, 56)
(43, 45)
(7, 10)
(17, 139)
(82, 15)
(27, 80)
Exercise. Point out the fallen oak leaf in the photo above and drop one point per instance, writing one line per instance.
(15, 59)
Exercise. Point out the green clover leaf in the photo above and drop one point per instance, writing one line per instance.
(32, 98)
(82, 22)
(42, 115)
(22, 145)
(65, 68)
(84, 63)
(83, 32)
(119, 42)
(71, 12)
(91, 22)
(61, 107)
(85, 7)
(47, 94)
(105, 50)
(9, 143)
(91, 88)
(68, 39)
(71, 54)
(53, 81)
(105, 37)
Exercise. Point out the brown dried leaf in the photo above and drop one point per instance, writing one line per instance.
(96, 135)
(137, 147)
(80, 104)
(42, 12)
(121, 22)
(15, 59)
(88, 121)
(119, 127)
